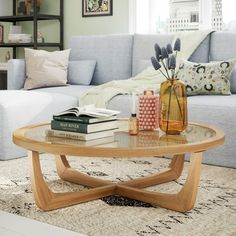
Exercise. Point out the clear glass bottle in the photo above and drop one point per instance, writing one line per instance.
(133, 125)
(173, 107)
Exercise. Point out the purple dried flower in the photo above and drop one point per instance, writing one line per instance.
(155, 63)
(164, 53)
(172, 62)
(169, 48)
(158, 51)
(177, 45)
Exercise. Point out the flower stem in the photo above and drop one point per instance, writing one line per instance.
(163, 74)
(168, 117)
(176, 52)
(165, 68)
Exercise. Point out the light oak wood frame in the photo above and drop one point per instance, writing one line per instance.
(182, 201)
(21, 140)
(48, 200)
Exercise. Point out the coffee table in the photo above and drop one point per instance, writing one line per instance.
(195, 140)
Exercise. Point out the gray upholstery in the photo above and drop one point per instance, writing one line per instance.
(233, 81)
(81, 72)
(143, 48)
(113, 54)
(70, 90)
(120, 57)
(16, 74)
(201, 54)
(212, 110)
(221, 112)
(120, 103)
(223, 47)
(21, 108)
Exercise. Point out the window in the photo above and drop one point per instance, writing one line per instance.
(158, 16)
(149, 16)
(194, 17)
(228, 13)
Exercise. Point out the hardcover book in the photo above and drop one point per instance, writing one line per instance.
(83, 119)
(79, 136)
(83, 128)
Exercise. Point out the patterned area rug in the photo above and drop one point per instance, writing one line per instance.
(214, 213)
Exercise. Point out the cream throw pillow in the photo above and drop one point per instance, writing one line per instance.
(46, 69)
(206, 78)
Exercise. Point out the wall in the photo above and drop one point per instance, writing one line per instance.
(75, 24)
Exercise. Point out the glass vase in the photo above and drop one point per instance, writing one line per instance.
(173, 107)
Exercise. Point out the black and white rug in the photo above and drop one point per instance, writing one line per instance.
(214, 213)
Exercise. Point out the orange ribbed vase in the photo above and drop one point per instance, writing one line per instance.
(173, 107)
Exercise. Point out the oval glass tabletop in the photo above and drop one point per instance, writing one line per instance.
(196, 135)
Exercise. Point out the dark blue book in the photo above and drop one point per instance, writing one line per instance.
(82, 127)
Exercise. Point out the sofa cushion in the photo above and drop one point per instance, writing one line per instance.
(223, 47)
(16, 74)
(143, 64)
(45, 69)
(233, 81)
(81, 72)
(201, 54)
(143, 48)
(21, 108)
(221, 112)
(117, 103)
(212, 110)
(113, 54)
(70, 90)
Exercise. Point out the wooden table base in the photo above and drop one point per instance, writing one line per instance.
(182, 201)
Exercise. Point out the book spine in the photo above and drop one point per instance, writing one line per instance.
(63, 134)
(69, 126)
(72, 118)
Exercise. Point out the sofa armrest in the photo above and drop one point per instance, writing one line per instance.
(16, 74)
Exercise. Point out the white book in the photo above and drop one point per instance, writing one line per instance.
(75, 142)
(79, 136)
(89, 110)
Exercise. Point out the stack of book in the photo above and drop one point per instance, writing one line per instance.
(84, 124)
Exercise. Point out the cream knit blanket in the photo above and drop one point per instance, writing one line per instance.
(147, 79)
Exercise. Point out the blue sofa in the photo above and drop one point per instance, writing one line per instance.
(120, 57)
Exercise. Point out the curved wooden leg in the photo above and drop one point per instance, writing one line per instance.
(188, 193)
(48, 200)
(66, 173)
(42, 193)
(177, 164)
(172, 173)
(182, 201)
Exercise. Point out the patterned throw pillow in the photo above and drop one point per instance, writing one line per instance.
(206, 78)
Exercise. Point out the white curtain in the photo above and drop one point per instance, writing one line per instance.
(144, 15)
